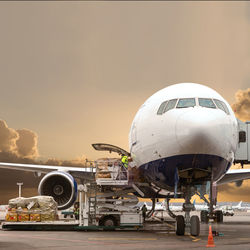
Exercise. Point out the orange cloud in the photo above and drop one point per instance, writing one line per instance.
(241, 106)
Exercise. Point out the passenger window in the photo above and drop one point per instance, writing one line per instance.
(207, 103)
(185, 103)
(221, 105)
(161, 108)
(170, 105)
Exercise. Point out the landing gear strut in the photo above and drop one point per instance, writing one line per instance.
(212, 214)
(191, 223)
(216, 215)
(170, 213)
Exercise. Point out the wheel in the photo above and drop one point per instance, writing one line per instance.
(180, 225)
(195, 225)
(204, 216)
(65, 216)
(218, 216)
(221, 217)
(109, 221)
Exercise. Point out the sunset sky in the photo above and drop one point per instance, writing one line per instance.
(75, 73)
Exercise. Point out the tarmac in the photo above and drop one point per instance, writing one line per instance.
(234, 233)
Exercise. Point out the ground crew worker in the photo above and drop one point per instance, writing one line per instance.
(76, 210)
(144, 211)
(124, 161)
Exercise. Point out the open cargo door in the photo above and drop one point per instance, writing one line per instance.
(110, 148)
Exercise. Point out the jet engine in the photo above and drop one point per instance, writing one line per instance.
(61, 186)
(238, 183)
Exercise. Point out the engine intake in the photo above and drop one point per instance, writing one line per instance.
(61, 186)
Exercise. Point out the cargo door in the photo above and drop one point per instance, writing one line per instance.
(110, 148)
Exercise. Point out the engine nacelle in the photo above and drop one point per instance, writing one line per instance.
(238, 183)
(61, 186)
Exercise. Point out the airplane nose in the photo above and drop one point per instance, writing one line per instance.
(201, 131)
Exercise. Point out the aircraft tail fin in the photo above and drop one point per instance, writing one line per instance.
(239, 205)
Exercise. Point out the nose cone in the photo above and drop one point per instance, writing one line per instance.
(202, 131)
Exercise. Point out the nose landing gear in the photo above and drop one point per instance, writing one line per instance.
(192, 224)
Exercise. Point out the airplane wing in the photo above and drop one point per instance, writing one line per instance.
(82, 173)
(235, 175)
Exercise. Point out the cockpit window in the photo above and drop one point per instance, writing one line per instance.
(170, 105)
(221, 105)
(207, 103)
(161, 108)
(186, 102)
(225, 107)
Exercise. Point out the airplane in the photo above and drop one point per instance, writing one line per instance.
(239, 207)
(179, 208)
(200, 207)
(159, 206)
(183, 137)
(176, 208)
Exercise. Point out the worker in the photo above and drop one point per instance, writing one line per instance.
(144, 211)
(76, 210)
(124, 161)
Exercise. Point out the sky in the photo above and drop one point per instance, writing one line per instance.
(75, 73)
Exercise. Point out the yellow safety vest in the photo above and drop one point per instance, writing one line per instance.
(125, 161)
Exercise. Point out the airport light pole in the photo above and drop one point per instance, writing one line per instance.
(19, 184)
(81, 189)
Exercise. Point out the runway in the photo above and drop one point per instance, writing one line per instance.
(235, 232)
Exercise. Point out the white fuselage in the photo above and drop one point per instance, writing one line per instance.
(194, 132)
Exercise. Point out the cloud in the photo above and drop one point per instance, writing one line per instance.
(17, 145)
(21, 145)
(8, 138)
(229, 192)
(27, 143)
(78, 162)
(241, 106)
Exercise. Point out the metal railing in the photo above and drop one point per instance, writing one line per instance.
(111, 169)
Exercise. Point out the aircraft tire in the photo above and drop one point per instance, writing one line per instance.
(219, 216)
(195, 225)
(204, 216)
(109, 221)
(180, 225)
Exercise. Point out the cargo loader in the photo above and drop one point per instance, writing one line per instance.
(107, 203)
